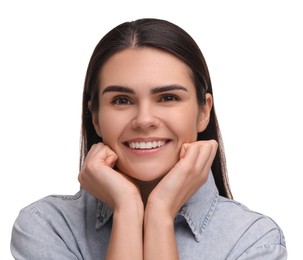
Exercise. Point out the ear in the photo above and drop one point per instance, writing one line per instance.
(204, 113)
(95, 119)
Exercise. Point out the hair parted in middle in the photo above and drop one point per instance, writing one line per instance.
(166, 36)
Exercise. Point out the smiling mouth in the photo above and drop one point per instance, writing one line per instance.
(146, 145)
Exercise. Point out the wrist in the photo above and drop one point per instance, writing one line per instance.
(156, 217)
(132, 209)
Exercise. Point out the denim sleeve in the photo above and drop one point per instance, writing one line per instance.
(271, 246)
(34, 238)
(265, 252)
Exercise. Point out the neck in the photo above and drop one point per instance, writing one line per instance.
(146, 187)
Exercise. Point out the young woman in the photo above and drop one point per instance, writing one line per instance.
(152, 170)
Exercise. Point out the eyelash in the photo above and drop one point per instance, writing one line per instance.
(169, 98)
(125, 100)
(121, 100)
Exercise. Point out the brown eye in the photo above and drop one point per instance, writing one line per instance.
(122, 101)
(169, 98)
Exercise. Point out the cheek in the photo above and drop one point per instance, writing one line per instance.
(110, 128)
(185, 125)
(188, 134)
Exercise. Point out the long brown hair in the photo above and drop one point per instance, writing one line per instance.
(162, 35)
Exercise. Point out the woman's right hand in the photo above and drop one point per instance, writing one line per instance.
(119, 192)
(98, 177)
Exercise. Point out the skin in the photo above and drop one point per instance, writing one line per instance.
(147, 96)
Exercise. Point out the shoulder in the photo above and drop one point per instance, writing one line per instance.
(231, 211)
(250, 230)
(241, 218)
(51, 224)
(56, 212)
(53, 203)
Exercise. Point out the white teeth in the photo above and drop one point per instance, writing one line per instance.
(146, 145)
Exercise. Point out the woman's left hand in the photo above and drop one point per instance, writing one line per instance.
(170, 194)
(184, 179)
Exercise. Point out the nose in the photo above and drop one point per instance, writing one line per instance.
(145, 117)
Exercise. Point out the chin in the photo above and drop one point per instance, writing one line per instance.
(147, 173)
(147, 176)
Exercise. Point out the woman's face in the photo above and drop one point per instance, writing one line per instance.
(147, 110)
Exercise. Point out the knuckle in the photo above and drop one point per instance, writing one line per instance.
(89, 167)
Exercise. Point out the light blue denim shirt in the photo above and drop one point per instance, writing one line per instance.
(208, 227)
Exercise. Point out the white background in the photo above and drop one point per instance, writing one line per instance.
(254, 52)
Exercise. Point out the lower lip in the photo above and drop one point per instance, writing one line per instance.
(143, 152)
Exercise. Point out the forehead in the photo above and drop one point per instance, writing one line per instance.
(144, 66)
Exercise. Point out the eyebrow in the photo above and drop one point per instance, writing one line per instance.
(153, 91)
(118, 89)
(168, 88)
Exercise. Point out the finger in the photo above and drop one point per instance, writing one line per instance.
(111, 159)
(206, 155)
(198, 157)
(189, 153)
(209, 145)
(183, 150)
(102, 154)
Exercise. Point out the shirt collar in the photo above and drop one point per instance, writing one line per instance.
(197, 211)
(103, 214)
